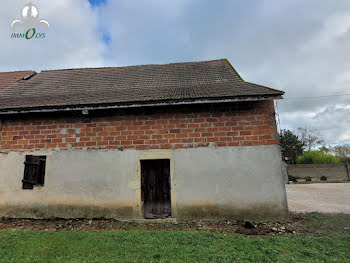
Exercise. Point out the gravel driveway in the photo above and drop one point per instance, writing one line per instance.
(323, 197)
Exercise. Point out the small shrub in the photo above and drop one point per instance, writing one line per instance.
(292, 178)
(324, 178)
(308, 179)
(317, 157)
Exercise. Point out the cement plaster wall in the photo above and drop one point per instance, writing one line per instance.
(210, 182)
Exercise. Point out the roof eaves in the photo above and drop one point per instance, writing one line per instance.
(138, 104)
(261, 86)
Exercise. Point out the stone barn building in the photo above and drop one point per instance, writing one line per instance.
(182, 140)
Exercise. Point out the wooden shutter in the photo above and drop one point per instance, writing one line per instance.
(41, 170)
(31, 169)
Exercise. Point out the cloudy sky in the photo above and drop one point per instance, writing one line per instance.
(300, 47)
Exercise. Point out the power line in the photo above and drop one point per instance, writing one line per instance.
(326, 96)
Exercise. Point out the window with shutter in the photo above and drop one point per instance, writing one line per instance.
(34, 171)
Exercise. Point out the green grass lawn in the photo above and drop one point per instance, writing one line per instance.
(167, 246)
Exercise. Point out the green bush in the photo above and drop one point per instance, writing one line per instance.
(317, 157)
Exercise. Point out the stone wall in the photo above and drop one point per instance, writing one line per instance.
(332, 171)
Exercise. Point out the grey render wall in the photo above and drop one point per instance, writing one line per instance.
(332, 171)
(212, 182)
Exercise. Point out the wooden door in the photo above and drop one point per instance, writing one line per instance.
(155, 187)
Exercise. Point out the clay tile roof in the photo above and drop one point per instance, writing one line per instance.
(8, 78)
(213, 80)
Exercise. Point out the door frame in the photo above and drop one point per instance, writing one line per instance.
(155, 156)
(164, 184)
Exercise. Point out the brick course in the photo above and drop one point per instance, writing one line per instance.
(237, 124)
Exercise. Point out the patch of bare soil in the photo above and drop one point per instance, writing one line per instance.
(312, 224)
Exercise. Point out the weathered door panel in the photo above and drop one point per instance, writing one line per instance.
(155, 187)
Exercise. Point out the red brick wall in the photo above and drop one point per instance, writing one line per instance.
(236, 124)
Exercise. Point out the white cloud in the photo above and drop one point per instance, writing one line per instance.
(73, 39)
(332, 122)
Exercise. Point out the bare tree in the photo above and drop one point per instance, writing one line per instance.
(310, 137)
(326, 149)
(343, 151)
